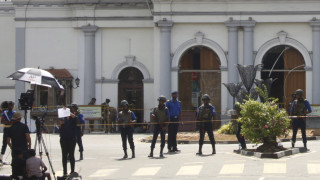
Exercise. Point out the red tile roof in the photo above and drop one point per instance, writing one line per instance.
(60, 73)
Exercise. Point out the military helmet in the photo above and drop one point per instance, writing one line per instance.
(124, 103)
(75, 106)
(299, 92)
(205, 96)
(162, 98)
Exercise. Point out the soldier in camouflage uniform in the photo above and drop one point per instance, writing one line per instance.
(205, 114)
(300, 107)
(160, 116)
(126, 120)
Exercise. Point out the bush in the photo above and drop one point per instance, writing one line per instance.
(229, 128)
(263, 122)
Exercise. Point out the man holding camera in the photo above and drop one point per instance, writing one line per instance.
(6, 119)
(18, 135)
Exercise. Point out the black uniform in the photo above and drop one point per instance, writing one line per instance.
(125, 129)
(240, 138)
(205, 113)
(161, 114)
(68, 139)
(299, 108)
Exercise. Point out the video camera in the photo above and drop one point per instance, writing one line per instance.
(26, 100)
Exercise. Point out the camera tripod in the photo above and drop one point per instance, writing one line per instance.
(40, 141)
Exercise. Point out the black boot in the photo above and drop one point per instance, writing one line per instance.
(200, 150)
(151, 153)
(161, 152)
(213, 149)
(133, 153)
(292, 144)
(125, 154)
(305, 145)
(81, 155)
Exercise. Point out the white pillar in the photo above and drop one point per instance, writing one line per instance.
(20, 60)
(316, 61)
(89, 63)
(233, 27)
(248, 27)
(164, 66)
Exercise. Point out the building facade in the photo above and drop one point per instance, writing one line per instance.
(140, 49)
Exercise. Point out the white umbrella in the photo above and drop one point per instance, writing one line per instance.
(36, 76)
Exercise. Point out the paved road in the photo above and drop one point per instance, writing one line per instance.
(103, 161)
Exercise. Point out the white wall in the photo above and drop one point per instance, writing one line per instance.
(301, 32)
(55, 47)
(183, 32)
(7, 49)
(115, 46)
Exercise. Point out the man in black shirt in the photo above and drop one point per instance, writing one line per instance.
(18, 165)
(18, 135)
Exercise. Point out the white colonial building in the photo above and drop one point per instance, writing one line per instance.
(139, 49)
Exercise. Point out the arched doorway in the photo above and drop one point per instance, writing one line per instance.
(130, 88)
(199, 73)
(288, 68)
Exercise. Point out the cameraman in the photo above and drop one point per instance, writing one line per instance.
(6, 119)
(68, 139)
(18, 135)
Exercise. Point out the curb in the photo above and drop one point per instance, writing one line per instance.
(276, 155)
(228, 142)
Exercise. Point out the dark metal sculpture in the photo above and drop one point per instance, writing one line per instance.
(233, 89)
(248, 75)
(267, 83)
(242, 95)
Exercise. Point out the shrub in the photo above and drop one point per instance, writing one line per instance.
(263, 122)
(229, 128)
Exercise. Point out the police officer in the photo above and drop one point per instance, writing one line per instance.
(126, 120)
(240, 137)
(80, 127)
(205, 114)
(6, 119)
(300, 107)
(160, 116)
(174, 107)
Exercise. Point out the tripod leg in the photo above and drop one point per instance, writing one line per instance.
(47, 154)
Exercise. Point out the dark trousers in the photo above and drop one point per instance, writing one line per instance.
(172, 133)
(240, 138)
(4, 140)
(79, 140)
(158, 130)
(299, 123)
(203, 128)
(127, 134)
(68, 146)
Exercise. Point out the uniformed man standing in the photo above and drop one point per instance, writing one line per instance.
(160, 116)
(300, 107)
(126, 120)
(240, 137)
(205, 114)
(174, 107)
(80, 127)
